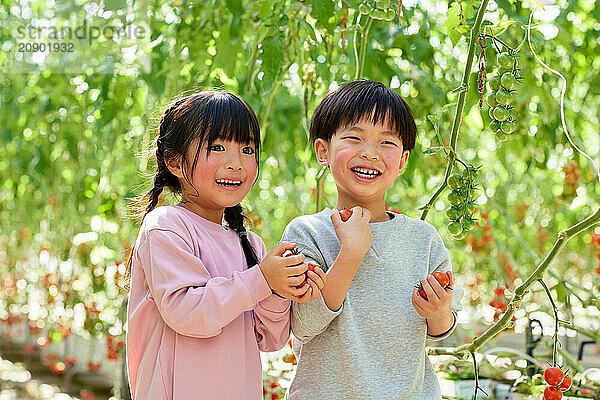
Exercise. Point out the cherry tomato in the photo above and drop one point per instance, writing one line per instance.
(494, 82)
(442, 278)
(501, 136)
(503, 97)
(345, 214)
(455, 198)
(455, 228)
(552, 393)
(423, 294)
(553, 376)
(566, 384)
(508, 80)
(508, 127)
(453, 213)
(500, 113)
(505, 60)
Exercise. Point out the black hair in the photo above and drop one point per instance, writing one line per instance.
(202, 117)
(356, 100)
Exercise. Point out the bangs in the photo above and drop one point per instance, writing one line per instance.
(363, 100)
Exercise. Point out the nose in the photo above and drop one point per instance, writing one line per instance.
(369, 152)
(234, 162)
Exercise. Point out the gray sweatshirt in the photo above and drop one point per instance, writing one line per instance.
(373, 347)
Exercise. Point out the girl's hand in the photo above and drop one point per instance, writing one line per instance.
(315, 282)
(283, 274)
(355, 234)
(438, 299)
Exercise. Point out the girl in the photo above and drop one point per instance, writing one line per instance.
(205, 298)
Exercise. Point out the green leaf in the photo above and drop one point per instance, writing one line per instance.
(322, 10)
(435, 149)
(502, 26)
(452, 22)
(272, 49)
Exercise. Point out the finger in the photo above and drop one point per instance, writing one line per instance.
(313, 277)
(298, 291)
(296, 269)
(282, 248)
(314, 287)
(416, 301)
(305, 297)
(294, 260)
(296, 280)
(427, 286)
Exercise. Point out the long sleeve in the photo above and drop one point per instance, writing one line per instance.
(271, 318)
(189, 299)
(312, 318)
(439, 260)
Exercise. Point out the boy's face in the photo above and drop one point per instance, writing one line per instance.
(365, 160)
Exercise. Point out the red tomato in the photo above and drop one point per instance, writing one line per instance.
(442, 278)
(553, 376)
(423, 294)
(552, 393)
(566, 384)
(345, 214)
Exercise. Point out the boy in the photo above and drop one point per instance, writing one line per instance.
(364, 337)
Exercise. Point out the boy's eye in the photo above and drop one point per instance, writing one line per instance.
(352, 137)
(248, 150)
(217, 147)
(392, 143)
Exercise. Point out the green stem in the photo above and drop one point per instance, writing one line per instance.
(363, 47)
(461, 103)
(555, 309)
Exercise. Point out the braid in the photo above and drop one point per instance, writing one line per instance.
(235, 220)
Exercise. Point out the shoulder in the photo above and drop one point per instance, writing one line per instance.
(165, 217)
(255, 240)
(419, 230)
(310, 224)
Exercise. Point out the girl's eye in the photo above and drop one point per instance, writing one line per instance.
(217, 147)
(248, 150)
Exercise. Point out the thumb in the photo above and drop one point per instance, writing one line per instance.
(282, 248)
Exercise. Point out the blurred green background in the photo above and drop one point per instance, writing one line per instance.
(78, 128)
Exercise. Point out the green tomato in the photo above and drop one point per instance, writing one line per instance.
(455, 198)
(501, 136)
(363, 9)
(508, 127)
(491, 100)
(500, 113)
(494, 82)
(461, 235)
(382, 4)
(455, 228)
(491, 113)
(455, 181)
(390, 14)
(467, 223)
(503, 97)
(494, 125)
(509, 81)
(512, 114)
(453, 213)
(377, 14)
(505, 60)
(469, 208)
(502, 71)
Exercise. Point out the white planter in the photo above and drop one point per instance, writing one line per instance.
(465, 388)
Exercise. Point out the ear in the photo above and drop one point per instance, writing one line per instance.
(174, 165)
(322, 151)
(403, 160)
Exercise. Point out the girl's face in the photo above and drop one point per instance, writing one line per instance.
(220, 179)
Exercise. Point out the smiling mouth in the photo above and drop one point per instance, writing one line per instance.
(228, 182)
(365, 172)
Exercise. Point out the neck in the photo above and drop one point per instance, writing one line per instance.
(377, 208)
(213, 215)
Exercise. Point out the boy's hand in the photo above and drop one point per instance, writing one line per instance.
(438, 299)
(315, 282)
(283, 274)
(354, 234)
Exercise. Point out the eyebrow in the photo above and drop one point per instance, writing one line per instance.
(386, 132)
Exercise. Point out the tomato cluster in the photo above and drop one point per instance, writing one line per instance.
(501, 100)
(377, 9)
(462, 201)
(572, 177)
(557, 383)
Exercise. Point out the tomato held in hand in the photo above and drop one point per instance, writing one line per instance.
(345, 214)
(553, 376)
(442, 278)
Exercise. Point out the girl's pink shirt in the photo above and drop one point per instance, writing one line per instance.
(197, 316)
